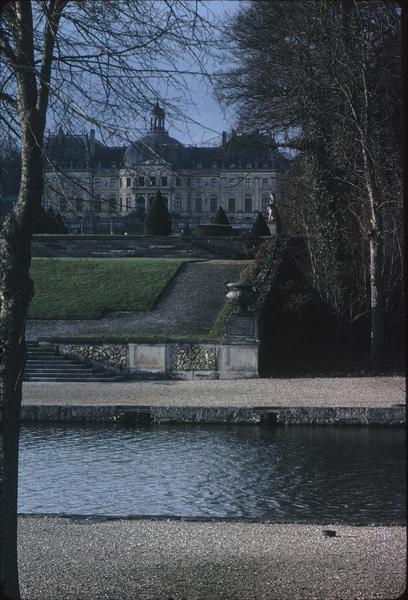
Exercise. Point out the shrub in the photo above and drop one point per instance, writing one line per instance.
(260, 228)
(157, 220)
(220, 217)
(213, 230)
(49, 221)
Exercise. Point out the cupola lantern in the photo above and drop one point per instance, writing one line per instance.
(157, 116)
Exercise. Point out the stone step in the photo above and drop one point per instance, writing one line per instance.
(44, 364)
(43, 355)
(65, 376)
(57, 360)
(46, 370)
(71, 379)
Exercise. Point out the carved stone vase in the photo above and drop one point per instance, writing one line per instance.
(240, 295)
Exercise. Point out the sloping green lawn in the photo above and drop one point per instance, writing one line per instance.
(83, 288)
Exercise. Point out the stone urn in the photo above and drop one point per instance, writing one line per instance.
(240, 295)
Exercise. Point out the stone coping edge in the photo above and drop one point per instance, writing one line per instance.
(269, 416)
(93, 519)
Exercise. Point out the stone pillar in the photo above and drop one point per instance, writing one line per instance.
(238, 355)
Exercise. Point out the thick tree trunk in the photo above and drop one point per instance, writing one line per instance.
(15, 295)
(16, 288)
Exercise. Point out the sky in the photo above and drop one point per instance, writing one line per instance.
(193, 116)
(210, 118)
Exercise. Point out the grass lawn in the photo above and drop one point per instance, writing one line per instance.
(83, 288)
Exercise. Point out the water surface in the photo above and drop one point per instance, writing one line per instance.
(326, 474)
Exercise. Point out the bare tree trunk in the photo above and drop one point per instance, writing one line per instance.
(16, 287)
(16, 290)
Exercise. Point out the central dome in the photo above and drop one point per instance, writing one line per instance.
(153, 147)
(156, 145)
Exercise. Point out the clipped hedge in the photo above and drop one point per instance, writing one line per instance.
(260, 228)
(221, 217)
(214, 230)
(157, 220)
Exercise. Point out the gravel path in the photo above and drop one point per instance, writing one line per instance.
(190, 304)
(341, 391)
(162, 560)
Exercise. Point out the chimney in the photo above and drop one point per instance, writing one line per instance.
(224, 138)
(92, 143)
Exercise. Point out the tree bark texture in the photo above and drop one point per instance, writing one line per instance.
(16, 287)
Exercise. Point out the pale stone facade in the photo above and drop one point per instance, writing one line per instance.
(88, 182)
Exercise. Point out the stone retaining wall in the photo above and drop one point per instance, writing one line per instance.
(272, 416)
(106, 355)
(138, 245)
(172, 360)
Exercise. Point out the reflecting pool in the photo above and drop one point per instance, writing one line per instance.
(326, 474)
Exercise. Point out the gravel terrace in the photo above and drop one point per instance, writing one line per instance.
(319, 391)
(72, 558)
(189, 305)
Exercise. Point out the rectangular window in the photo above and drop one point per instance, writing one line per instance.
(177, 204)
(152, 180)
(46, 203)
(264, 182)
(231, 181)
(178, 181)
(63, 204)
(112, 204)
(120, 182)
(141, 182)
(265, 202)
(98, 205)
(189, 205)
(112, 182)
(198, 182)
(164, 181)
(98, 182)
(213, 204)
(231, 205)
(127, 181)
(213, 182)
(198, 204)
(188, 182)
(248, 182)
(128, 203)
(248, 204)
(79, 204)
(105, 183)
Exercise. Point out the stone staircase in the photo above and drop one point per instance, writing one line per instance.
(45, 364)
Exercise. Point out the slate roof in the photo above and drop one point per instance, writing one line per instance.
(75, 150)
(239, 152)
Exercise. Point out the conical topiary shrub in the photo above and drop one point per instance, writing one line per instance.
(157, 220)
(220, 217)
(260, 228)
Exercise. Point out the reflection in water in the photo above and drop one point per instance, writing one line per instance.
(294, 473)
